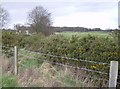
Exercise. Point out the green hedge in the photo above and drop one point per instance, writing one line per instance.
(93, 48)
(89, 47)
(11, 39)
(101, 49)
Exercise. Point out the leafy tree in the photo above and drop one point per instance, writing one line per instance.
(4, 17)
(40, 20)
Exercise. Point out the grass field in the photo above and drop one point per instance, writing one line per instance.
(82, 34)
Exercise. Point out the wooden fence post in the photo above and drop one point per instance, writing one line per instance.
(15, 60)
(113, 74)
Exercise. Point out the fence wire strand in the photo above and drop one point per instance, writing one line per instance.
(66, 65)
(80, 75)
(85, 69)
(67, 58)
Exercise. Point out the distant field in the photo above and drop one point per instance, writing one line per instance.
(82, 34)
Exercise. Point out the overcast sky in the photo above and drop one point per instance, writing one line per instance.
(91, 14)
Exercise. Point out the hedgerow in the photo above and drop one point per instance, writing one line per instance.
(92, 48)
(9, 40)
(89, 47)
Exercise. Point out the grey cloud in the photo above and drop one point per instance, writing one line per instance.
(95, 6)
(60, 7)
(18, 10)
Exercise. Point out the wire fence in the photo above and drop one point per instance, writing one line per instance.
(90, 70)
(65, 65)
(103, 76)
(54, 56)
(67, 58)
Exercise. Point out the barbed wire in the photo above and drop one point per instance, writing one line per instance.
(80, 75)
(89, 70)
(68, 58)
(25, 56)
(85, 69)
(62, 57)
(71, 59)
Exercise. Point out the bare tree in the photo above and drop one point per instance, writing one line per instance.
(40, 20)
(4, 17)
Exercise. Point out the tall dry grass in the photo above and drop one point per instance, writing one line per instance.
(48, 75)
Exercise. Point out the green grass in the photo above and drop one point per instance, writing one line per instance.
(30, 63)
(69, 81)
(82, 34)
(29, 59)
(8, 81)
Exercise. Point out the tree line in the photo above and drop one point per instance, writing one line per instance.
(79, 29)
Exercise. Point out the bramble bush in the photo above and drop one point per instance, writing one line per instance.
(9, 40)
(89, 47)
(32, 42)
(94, 48)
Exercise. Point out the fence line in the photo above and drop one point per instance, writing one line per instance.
(89, 70)
(63, 57)
(85, 69)
(68, 58)
(79, 75)
(114, 74)
(25, 56)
